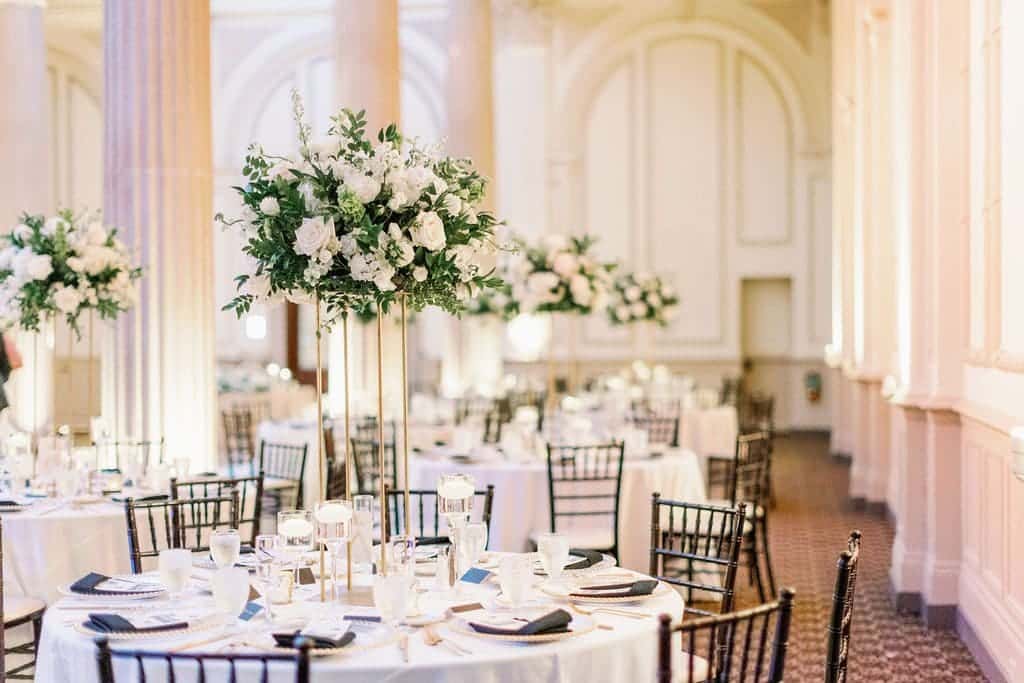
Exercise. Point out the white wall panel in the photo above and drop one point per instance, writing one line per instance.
(766, 158)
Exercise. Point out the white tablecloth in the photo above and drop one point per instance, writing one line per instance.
(628, 652)
(521, 497)
(709, 431)
(44, 549)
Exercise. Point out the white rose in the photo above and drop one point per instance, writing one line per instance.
(639, 309)
(348, 246)
(258, 286)
(633, 293)
(313, 234)
(96, 234)
(38, 267)
(582, 294)
(541, 284)
(565, 264)
(654, 300)
(667, 292)
(406, 252)
(398, 201)
(419, 273)
(362, 186)
(76, 264)
(269, 206)
(428, 231)
(282, 169)
(452, 204)
(622, 313)
(383, 278)
(67, 299)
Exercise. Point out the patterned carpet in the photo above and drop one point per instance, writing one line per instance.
(808, 530)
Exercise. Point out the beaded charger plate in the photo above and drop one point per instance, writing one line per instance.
(199, 626)
(579, 626)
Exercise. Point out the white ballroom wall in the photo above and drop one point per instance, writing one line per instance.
(691, 138)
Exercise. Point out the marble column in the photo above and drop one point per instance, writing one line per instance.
(158, 188)
(26, 176)
(474, 357)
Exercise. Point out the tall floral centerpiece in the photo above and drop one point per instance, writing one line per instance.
(642, 298)
(353, 220)
(61, 267)
(560, 275)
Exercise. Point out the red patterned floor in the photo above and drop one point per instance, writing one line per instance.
(808, 529)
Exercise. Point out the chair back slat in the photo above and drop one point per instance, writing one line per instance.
(662, 430)
(239, 424)
(250, 498)
(184, 662)
(690, 541)
(841, 618)
(185, 523)
(287, 462)
(365, 448)
(590, 474)
(426, 518)
(730, 647)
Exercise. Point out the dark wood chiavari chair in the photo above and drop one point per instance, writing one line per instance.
(659, 406)
(184, 523)
(287, 464)
(731, 391)
(526, 398)
(250, 498)
(365, 459)
(662, 430)
(476, 407)
(586, 481)
(756, 413)
(729, 647)
(16, 612)
(838, 650)
(425, 517)
(334, 461)
(201, 667)
(239, 438)
(690, 541)
(749, 484)
(118, 454)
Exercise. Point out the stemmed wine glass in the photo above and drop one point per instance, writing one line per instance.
(334, 527)
(267, 563)
(554, 554)
(295, 527)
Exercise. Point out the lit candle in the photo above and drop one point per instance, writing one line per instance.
(456, 489)
(333, 514)
(296, 527)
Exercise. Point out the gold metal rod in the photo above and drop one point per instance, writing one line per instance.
(405, 416)
(380, 439)
(348, 445)
(320, 437)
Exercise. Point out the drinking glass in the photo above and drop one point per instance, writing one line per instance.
(362, 531)
(333, 528)
(230, 587)
(403, 555)
(295, 527)
(267, 565)
(472, 541)
(554, 554)
(515, 574)
(391, 595)
(175, 565)
(225, 547)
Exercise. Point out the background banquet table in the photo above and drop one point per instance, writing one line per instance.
(46, 546)
(627, 652)
(521, 496)
(709, 431)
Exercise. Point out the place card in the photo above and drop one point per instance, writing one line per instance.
(476, 575)
(251, 610)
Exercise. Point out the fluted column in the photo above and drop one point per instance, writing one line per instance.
(26, 179)
(158, 188)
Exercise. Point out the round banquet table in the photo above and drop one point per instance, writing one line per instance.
(626, 652)
(53, 543)
(709, 431)
(521, 497)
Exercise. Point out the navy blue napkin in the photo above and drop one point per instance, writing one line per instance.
(552, 622)
(318, 642)
(630, 590)
(114, 623)
(590, 558)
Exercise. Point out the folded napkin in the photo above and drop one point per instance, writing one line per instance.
(552, 622)
(87, 585)
(114, 623)
(152, 498)
(8, 503)
(620, 590)
(590, 558)
(318, 642)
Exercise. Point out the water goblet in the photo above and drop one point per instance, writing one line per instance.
(267, 566)
(225, 547)
(175, 565)
(554, 554)
(402, 559)
(391, 595)
(515, 575)
(230, 586)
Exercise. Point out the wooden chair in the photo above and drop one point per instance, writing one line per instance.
(690, 536)
(838, 649)
(337, 472)
(586, 481)
(515, 400)
(14, 612)
(425, 516)
(118, 454)
(731, 391)
(286, 463)
(185, 523)
(239, 440)
(749, 484)
(661, 430)
(364, 456)
(729, 647)
(201, 667)
(250, 498)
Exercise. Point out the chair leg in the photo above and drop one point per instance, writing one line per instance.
(755, 574)
(767, 555)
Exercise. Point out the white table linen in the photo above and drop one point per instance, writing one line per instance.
(46, 546)
(709, 431)
(628, 652)
(521, 497)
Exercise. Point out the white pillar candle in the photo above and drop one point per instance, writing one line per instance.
(296, 527)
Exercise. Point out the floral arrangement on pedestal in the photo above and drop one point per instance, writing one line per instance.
(61, 266)
(638, 298)
(560, 275)
(352, 220)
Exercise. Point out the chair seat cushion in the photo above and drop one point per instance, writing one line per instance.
(16, 609)
(722, 502)
(584, 538)
(681, 668)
